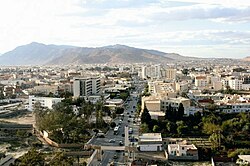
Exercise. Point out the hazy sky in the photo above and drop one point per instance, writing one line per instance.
(204, 28)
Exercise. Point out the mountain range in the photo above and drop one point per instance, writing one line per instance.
(41, 54)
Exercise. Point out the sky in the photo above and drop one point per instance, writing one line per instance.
(199, 28)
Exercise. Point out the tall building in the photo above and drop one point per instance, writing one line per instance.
(86, 86)
(170, 74)
(235, 84)
(201, 81)
(156, 71)
(143, 73)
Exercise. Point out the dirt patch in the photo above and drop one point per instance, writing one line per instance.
(26, 119)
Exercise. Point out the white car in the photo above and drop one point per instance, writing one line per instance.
(112, 141)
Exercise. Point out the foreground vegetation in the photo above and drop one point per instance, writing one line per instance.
(228, 133)
(65, 125)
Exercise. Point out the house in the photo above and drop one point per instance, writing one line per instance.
(150, 142)
(182, 151)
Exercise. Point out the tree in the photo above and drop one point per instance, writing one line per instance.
(61, 159)
(145, 116)
(156, 128)
(144, 128)
(216, 139)
(124, 95)
(112, 124)
(119, 110)
(180, 112)
(31, 158)
(113, 115)
(171, 127)
(209, 128)
(181, 128)
(185, 71)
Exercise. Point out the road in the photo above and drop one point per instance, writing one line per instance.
(128, 120)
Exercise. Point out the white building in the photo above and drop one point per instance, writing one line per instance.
(246, 86)
(235, 107)
(152, 71)
(181, 86)
(86, 86)
(170, 74)
(150, 142)
(44, 101)
(175, 103)
(182, 152)
(235, 84)
(201, 81)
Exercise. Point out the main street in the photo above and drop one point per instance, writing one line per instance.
(117, 157)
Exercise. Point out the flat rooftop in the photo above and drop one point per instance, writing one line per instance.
(150, 137)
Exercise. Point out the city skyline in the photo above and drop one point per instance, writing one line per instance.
(188, 27)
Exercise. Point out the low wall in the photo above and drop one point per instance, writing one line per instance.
(184, 158)
(55, 144)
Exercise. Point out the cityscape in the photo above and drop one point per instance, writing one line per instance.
(124, 83)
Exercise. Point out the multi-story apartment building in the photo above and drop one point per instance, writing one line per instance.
(169, 74)
(158, 105)
(181, 86)
(175, 103)
(235, 84)
(201, 81)
(86, 86)
(151, 71)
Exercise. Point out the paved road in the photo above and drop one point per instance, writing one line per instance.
(108, 156)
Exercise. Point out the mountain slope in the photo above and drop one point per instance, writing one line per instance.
(108, 54)
(246, 59)
(32, 54)
(40, 54)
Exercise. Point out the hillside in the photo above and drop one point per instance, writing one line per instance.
(41, 54)
(246, 59)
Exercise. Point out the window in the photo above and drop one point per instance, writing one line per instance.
(182, 148)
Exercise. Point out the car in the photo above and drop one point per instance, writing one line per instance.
(128, 120)
(100, 135)
(123, 135)
(130, 116)
(112, 141)
(115, 157)
(130, 131)
(127, 113)
(121, 143)
(134, 121)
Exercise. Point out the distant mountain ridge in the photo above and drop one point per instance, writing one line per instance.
(246, 59)
(41, 54)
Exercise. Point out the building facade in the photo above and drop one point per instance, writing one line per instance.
(47, 102)
(150, 142)
(86, 86)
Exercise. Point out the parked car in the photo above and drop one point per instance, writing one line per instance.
(100, 135)
(121, 143)
(115, 157)
(112, 141)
